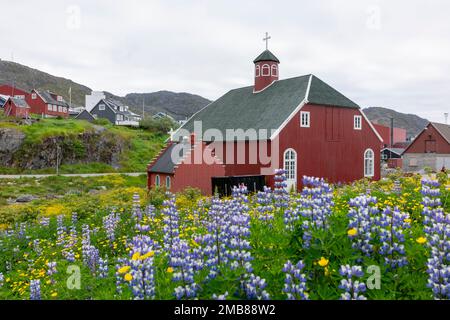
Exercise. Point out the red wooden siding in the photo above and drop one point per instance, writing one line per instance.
(429, 140)
(330, 147)
(12, 110)
(8, 90)
(385, 133)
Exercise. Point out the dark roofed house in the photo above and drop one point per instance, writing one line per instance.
(85, 115)
(431, 148)
(116, 112)
(307, 126)
(16, 107)
(47, 104)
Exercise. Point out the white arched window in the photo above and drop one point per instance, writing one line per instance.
(157, 180)
(168, 182)
(265, 70)
(274, 70)
(290, 164)
(257, 71)
(369, 163)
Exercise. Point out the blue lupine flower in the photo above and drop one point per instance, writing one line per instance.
(350, 284)
(220, 296)
(254, 288)
(295, 281)
(35, 290)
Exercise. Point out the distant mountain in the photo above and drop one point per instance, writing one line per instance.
(411, 122)
(178, 105)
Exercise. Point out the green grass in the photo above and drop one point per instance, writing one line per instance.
(144, 145)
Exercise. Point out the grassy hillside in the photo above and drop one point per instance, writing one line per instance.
(142, 145)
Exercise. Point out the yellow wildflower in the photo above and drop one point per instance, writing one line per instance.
(54, 294)
(124, 269)
(147, 255)
(128, 277)
(169, 269)
(421, 240)
(352, 232)
(408, 220)
(323, 262)
(135, 256)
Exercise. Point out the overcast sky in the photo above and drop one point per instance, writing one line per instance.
(394, 54)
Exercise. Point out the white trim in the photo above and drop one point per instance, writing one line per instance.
(168, 185)
(308, 88)
(257, 71)
(157, 180)
(288, 119)
(294, 180)
(262, 70)
(274, 67)
(264, 87)
(308, 119)
(354, 122)
(371, 125)
(373, 163)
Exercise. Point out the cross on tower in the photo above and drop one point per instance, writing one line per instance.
(266, 39)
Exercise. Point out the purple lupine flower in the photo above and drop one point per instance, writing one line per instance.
(89, 252)
(2, 279)
(391, 232)
(136, 210)
(362, 217)
(44, 221)
(265, 207)
(281, 195)
(295, 281)
(254, 288)
(60, 230)
(220, 296)
(51, 270)
(37, 247)
(437, 229)
(171, 219)
(142, 269)
(110, 223)
(215, 241)
(350, 284)
(35, 290)
(183, 264)
(315, 206)
(74, 218)
(103, 268)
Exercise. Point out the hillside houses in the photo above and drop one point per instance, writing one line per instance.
(116, 112)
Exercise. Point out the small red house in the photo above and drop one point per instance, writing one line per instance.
(47, 104)
(15, 107)
(431, 148)
(300, 124)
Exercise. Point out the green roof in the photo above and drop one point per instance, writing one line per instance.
(268, 109)
(266, 56)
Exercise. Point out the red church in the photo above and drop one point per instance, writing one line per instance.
(300, 124)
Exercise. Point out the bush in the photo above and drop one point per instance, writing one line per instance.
(162, 125)
(101, 122)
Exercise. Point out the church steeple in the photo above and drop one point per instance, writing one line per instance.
(266, 68)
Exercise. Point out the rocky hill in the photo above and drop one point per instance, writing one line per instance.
(411, 122)
(178, 105)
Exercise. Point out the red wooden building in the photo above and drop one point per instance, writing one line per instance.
(47, 104)
(43, 103)
(399, 134)
(431, 148)
(15, 107)
(12, 91)
(300, 124)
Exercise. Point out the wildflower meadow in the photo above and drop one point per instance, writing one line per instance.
(369, 240)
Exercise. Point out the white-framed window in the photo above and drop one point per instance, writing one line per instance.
(59, 98)
(19, 96)
(369, 163)
(157, 180)
(357, 122)
(290, 164)
(121, 109)
(49, 107)
(120, 117)
(265, 70)
(274, 70)
(55, 107)
(101, 107)
(168, 182)
(257, 70)
(59, 109)
(33, 96)
(384, 156)
(305, 121)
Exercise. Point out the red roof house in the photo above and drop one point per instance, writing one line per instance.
(431, 148)
(47, 104)
(12, 91)
(15, 107)
(300, 124)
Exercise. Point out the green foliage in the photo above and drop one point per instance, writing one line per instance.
(162, 125)
(101, 122)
